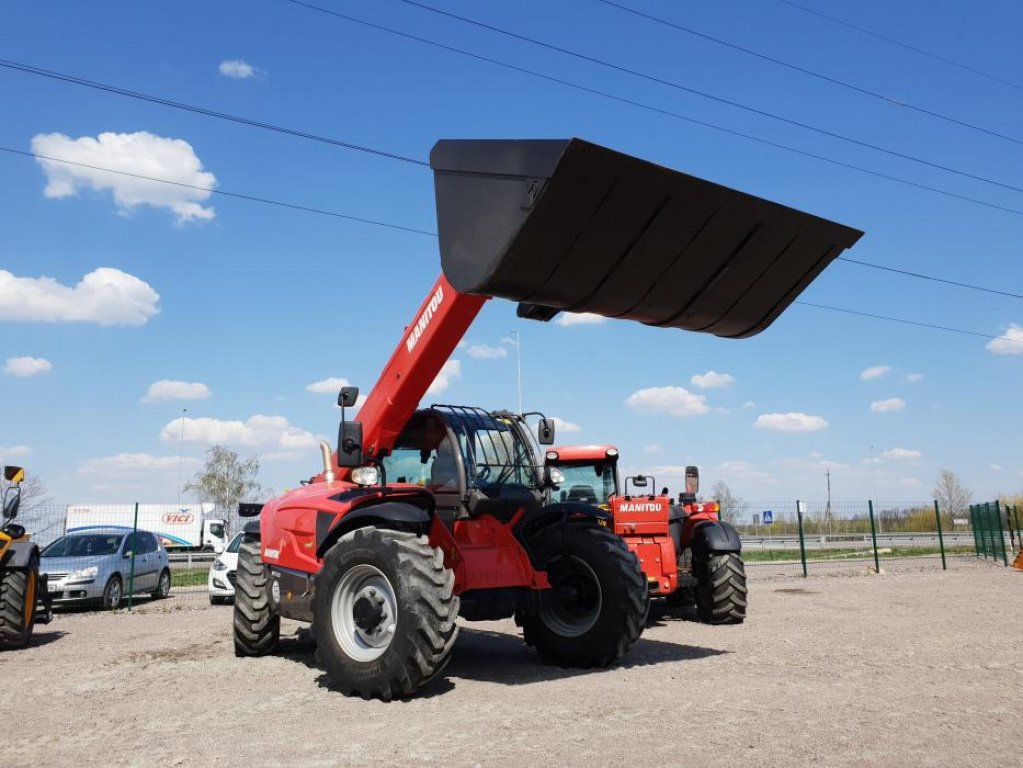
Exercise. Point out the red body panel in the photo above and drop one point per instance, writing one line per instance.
(583, 452)
(642, 521)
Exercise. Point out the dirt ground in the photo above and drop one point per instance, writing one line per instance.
(905, 669)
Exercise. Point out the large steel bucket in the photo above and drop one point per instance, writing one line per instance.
(568, 225)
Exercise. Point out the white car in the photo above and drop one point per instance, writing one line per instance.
(223, 572)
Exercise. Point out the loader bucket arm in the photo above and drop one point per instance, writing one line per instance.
(568, 225)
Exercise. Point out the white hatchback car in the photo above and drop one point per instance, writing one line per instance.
(223, 573)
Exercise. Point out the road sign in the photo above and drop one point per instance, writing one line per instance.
(960, 520)
(767, 517)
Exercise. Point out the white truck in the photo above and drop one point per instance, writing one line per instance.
(180, 527)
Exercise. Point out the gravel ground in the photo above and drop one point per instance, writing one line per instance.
(905, 669)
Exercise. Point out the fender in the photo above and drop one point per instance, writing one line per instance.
(715, 536)
(542, 532)
(386, 514)
(20, 554)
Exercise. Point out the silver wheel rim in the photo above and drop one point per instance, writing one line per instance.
(364, 585)
(115, 594)
(164, 585)
(564, 621)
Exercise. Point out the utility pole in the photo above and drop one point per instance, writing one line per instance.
(518, 365)
(181, 452)
(827, 514)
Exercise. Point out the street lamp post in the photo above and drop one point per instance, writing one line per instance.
(181, 452)
(518, 365)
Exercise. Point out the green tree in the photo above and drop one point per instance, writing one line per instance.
(225, 479)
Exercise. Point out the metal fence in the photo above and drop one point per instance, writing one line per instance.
(123, 550)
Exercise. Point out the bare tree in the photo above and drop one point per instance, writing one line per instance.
(952, 496)
(33, 492)
(730, 503)
(225, 479)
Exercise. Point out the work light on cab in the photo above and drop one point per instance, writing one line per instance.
(368, 475)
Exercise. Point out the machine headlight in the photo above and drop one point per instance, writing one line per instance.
(219, 565)
(84, 573)
(365, 476)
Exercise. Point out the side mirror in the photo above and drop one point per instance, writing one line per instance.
(692, 480)
(347, 397)
(12, 500)
(545, 431)
(349, 443)
(14, 475)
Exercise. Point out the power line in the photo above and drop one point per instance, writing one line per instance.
(907, 46)
(909, 322)
(827, 78)
(32, 70)
(402, 228)
(651, 108)
(706, 95)
(224, 192)
(956, 283)
(387, 225)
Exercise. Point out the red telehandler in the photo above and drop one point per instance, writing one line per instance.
(687, 553)
(421, 516)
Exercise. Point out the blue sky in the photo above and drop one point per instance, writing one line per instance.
(242, 307)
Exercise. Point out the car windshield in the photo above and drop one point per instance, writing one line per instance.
(591, 483)
(85, 545)
(236, 542)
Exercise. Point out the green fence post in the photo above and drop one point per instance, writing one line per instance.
(873, 536)
(973, 528)
(941, 538)
(990, 530)
(802, 542)
(1001, 533)
(1019, 532)
(134, 546)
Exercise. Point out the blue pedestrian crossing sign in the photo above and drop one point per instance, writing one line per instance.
(767, 517)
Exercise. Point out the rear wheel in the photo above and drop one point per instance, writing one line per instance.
(385, 613)
(597, 604)
(18, 604)
(721, 588)
(257, 624)
(163, 586)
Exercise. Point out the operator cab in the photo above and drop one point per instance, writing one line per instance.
(474, 462)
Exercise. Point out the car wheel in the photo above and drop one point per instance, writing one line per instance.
(112, 594)
(162, 590)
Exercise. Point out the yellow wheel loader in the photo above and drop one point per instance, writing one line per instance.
(24, 596)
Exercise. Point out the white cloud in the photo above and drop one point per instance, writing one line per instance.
(997, 468)
(262, 433)
(14, 452)
(876, 372)
(891, 404)
(237, 69)
(901, 453)
(579, 318)
(910, 482)
(484, 352)
(560, 425)
(712, 380)
(130, 463)
(506, 340)
(790, 422)
(913, 378)
(451, 372)
(141, 153)
(165, 389)
(742, 470)
(27, 366)
(652, 448)
(1009, 343)
(677, 401)
(329, 386)
(749, 404)
(105, 296)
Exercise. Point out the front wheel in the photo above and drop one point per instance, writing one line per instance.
(18, 604)
(721, 588)
(257, 624)
(112, 594)
(385, 613)
(597, 605)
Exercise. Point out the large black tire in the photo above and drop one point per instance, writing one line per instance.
(257, 623)
(385, 613)
(721, 588)
(597, 606)
(18, 604)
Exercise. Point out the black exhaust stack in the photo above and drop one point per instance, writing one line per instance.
(568, 225)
